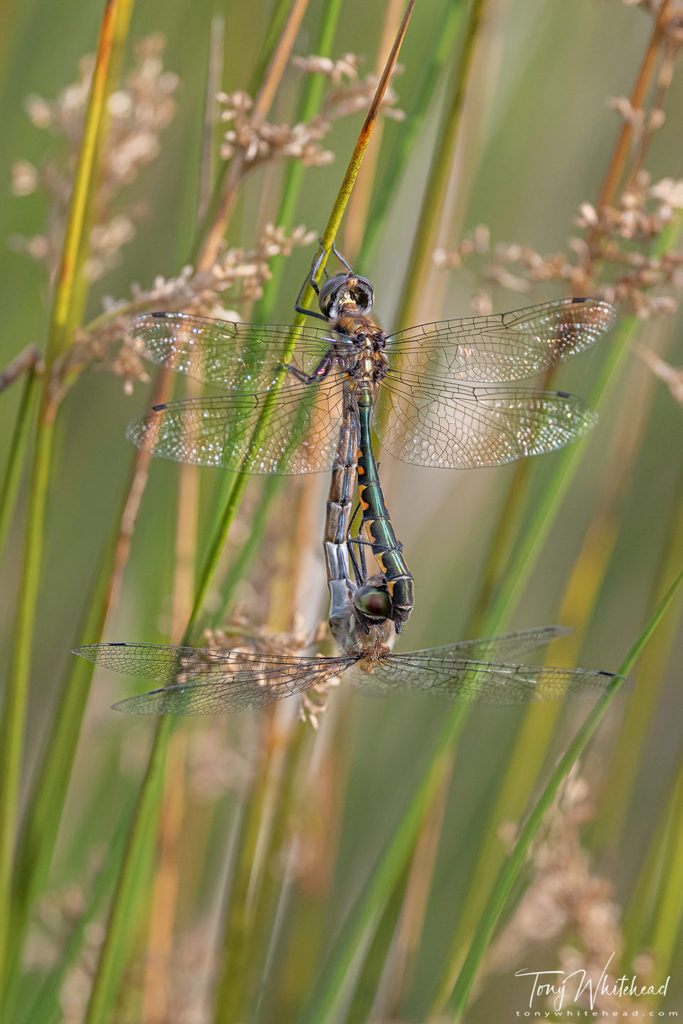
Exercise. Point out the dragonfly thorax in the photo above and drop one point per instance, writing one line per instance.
(360, 346)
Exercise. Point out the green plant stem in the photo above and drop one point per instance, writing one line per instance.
(333, 980)
(525, 555)
(238, 947)
(295, 170)
(638, 716)
(110, 963)
(122, 914)
(266, 888)
(535, 734)
(652, 920)
(59, 336)
(263, 312)
(46, 802)
(420, 261)
(667, 921)
(397, 160)
(214, 226)
(17, 451)
(38, 844)
(366, 990)
(636, 928)
(516, 860)
(44, 1007)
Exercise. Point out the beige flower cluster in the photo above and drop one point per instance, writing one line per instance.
(138, 113)
(259, 141)
(200, 292)
(614, 259)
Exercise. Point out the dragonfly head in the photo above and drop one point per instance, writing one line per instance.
(374, 603)
(346, 290)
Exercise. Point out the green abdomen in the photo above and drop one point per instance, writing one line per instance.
(385, 546)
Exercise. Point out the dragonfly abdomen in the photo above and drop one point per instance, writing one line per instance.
(385, 546)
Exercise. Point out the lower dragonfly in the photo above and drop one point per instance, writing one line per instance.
(438, 387)
(207, 681)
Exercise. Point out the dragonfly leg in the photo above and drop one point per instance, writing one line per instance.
(358, 560)
(321, 370)
(315, 266)
(358, 567)
(310, 279)
(341, 259)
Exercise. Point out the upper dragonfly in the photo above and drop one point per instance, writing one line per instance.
(444, 389)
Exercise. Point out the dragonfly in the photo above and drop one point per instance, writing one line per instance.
(440, 394)
(208, 681)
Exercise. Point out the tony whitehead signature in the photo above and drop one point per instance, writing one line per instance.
(566, 988)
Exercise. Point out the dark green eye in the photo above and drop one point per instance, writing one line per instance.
(374, 602)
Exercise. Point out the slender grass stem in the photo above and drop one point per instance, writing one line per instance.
(642, 84)
(59, 336)
(334, 978)
(420, 262)
(295, 170)
(374, 960)
(357, 215)
(515, 862)
(17, 450)
(143, 831)
(267, 891)
(397, 159)
(233, 986)
(636, 926)
(653, 895)
(535, 734)
(666, 927)
(263, 312)
(44, 1006)
(629, 751)
(215, 224)
(46, 802)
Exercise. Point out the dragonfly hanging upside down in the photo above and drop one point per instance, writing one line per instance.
(439, 388)
(445, 386)
(203, 681)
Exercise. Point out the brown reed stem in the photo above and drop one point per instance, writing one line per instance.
(221, 209)
(621, 151)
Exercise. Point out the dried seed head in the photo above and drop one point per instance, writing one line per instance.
(137, 114)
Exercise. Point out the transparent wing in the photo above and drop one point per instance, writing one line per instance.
(203, 681)
(236, 356)
(504, 347)
(444, 672)
(508, 645)
(294, 430)
(450, 425)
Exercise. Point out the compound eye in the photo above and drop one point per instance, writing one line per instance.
(373, 602)
(363, 294)
(329, 295)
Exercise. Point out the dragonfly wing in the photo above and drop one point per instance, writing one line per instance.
(505, 347)
(245, 357)
(202, 681)
(503, 647)
(293, 430)
(458, 679)
(455, 426)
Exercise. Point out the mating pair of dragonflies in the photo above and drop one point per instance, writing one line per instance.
(305, 399)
